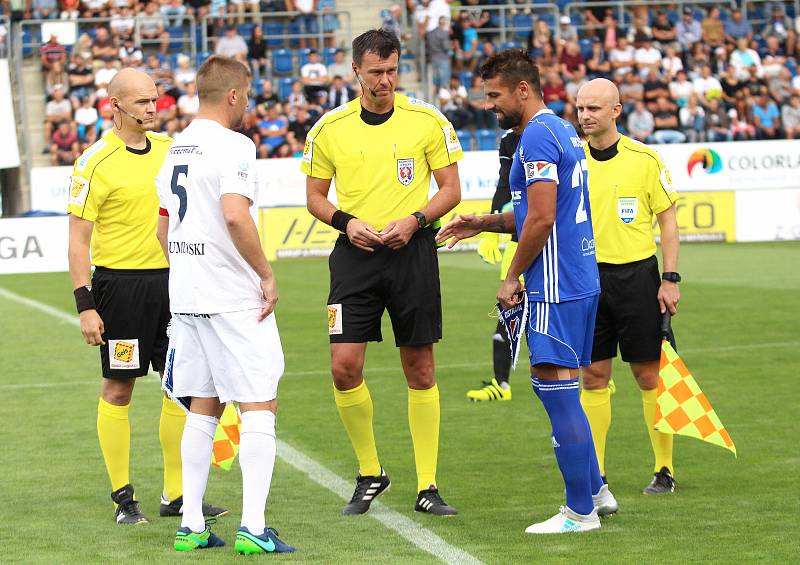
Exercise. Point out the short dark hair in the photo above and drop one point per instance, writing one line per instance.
(513, 66)
(379, 41)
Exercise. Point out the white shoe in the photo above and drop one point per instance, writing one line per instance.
(604, 502)
(566, 521)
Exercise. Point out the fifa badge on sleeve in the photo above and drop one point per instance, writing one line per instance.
(514, 320)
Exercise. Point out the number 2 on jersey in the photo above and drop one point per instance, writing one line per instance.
(178, 190)
(578, 182)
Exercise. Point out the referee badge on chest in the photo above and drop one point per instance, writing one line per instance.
(627, 209)
(405, 171)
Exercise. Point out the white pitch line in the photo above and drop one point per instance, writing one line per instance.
(407, 528)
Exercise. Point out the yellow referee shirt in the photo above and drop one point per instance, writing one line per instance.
(114, 186)
(383, 172)
(625, 192)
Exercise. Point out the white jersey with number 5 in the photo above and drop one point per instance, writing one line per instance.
(207, 273)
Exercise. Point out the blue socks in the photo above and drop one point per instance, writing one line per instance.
(572, 441)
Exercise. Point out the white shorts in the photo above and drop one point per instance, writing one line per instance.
(232, 356)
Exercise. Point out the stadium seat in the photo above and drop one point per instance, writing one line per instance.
(465, 137)
(293, 28)
(487, 140)
(408, 56)
(273, 31)
(586, 48)
(329, 55)
(282, 62)
(510, 45)
(466, 78)
(175, 37)
(202, 56)
(285, 87)
(522, 24)
(404, 68)
(245, 30)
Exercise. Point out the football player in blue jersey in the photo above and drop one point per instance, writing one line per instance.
(555, 254)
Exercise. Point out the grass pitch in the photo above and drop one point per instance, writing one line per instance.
(737, 331)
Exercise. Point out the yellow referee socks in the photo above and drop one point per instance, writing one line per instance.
(355, 410)
(114, 432)
(662, 443)
(423, 420)
(170, 432)
(597, 405)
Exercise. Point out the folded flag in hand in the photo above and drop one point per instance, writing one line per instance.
(226, 438)
(514, 320)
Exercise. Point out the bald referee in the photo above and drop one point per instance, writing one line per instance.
(124, 306)
(628, 185)
(382, 149)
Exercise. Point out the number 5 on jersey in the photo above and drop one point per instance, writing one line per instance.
(178, 190)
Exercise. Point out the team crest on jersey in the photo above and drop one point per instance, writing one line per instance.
(405, 171)
(78, 190)
(334, 319)
(123, 353)
(540, 170)
(627, 209)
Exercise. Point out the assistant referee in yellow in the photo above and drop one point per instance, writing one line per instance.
(113, 213)
(628, 185)
(382, 149)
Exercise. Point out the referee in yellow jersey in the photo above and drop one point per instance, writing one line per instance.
(628, 185)
(124, 308)
(382, 149)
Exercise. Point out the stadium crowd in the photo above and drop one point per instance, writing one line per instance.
(691, 75)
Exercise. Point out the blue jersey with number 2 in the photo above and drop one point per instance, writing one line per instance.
(550, 150)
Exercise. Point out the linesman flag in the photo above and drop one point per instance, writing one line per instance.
(226, 438)
(681, 407)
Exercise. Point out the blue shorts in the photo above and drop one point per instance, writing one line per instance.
(561, 334)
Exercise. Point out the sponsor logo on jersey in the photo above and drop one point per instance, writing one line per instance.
(418, 102)
(84, 159)
(587, 246)
(516, 195)
(308, 149)
(78, 190)
(123, 353)
(453, 144)
(334, 319)
(540, 170)
(405, 171)
(244, 167)
(184, 150)
(627, 209)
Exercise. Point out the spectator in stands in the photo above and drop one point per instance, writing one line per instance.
(188, 104)
(780, 25)
(266, 98)
(338, 93)
(573, 67)
(466, 51)
(697, 59)
(94, 8)
(341, 67)
(773, 57)
(730, 87)
(56, 111)
(717, 122)
(81, 81)
(273, 131)
(174, 10)
(52, 52)
(240, 7)
(104, 45)
(693, 120)
(540, 36)
(622, 57)
(454, 104)
(707, 86)
(689, 30)
(647, 58)
(104, 74)
(654, 88)
(200, 8)
(83, 48)
(130, 54)
(567, 33)
(249, 127)
(428, 13)
(671, 63)
(297, 97)
(231, 45)
(753, 85)
(437, 44)
(330, 22)
(306, 20)
(713, 29)
(86, 117)
(481, 117)
(45, 9)
(157, 69)
(742, 119)
(790, 117)
(184, 73)
(780, 86)
(548, 61)
(166, 109)
(666, 123)
(612, 33)
(640, 32)
(56, 77)
(65, 148)
(314, 76)
(737, 26)
(640, 122)
(681, 89)
(70, 9)
(743, 58)
(554, 93)
(766, 118)
(122, 24)
(392, 21)
(257, 53)
(631, 91)
(598, 65)
(152, 24)
(664, 32)
(299, 127)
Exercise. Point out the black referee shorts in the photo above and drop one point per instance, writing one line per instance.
(134, 307)
(628, 313)
(404, 282)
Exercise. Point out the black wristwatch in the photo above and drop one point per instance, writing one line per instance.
(671, 277)
(421, 219)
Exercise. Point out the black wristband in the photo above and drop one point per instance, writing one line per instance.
(340, 220)
(84, 299)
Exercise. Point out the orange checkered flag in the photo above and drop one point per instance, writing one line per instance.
(226, 438)
(681, 407)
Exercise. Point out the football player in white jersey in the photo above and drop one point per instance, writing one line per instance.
(224, 345)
